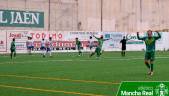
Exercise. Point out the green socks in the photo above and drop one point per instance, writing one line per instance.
(122, 54)
(11, 55)
(148, 66)
(151, 67)
(80, 53)
(92, 54)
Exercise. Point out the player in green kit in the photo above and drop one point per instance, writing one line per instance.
(150, 49)
(78, 46)
(13, 48)
(99, 46)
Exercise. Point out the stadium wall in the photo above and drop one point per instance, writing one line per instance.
(86, 15)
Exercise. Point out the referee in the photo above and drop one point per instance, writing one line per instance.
(123, 42)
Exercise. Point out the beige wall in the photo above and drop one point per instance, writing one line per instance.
(126, 15)
(118, 15)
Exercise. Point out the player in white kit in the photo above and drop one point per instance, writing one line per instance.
(29, 44)
(43, 47)
(49, 46)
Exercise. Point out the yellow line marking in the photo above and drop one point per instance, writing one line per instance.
(62, 79)
(47, 90)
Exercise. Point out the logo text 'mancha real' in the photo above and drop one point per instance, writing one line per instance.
(137, 93)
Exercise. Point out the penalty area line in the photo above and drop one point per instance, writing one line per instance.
(62, 79)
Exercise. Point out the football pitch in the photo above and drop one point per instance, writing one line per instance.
(67, 74)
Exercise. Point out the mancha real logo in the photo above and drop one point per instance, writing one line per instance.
(161, 90)
(143, 89)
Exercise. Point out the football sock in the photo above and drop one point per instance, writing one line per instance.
(98, 54)
(92, 54)
(11, 54)
(80, 53)
(148, 66)
(50, 53)
(14, 54)
(44, 52)
(151, 67)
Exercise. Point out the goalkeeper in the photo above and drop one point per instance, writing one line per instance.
(13, 48)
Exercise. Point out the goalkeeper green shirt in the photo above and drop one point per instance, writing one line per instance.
(78, 43)
(150, 42)
(100, 42)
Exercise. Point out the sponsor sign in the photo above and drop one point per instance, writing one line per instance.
(20, 40)
(16, 18)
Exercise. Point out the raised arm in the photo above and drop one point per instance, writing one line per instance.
(159, 35)
(139, 38)
(107, 39)
(95, 37)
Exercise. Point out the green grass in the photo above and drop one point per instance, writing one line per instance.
(66, 74)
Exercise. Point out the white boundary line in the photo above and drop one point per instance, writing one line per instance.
(84, 60)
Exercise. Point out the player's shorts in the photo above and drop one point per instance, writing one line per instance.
(30, 47)
(43, 48)
(150, 56)
(13, 50)
(98, 50)
(123, 48)
(48, 49)
(90, 46)
(78, 47)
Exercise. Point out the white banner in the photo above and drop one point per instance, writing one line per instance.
(20, 39)
(114, 43)
(3, 41)
(133, 44)
(64, 41)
